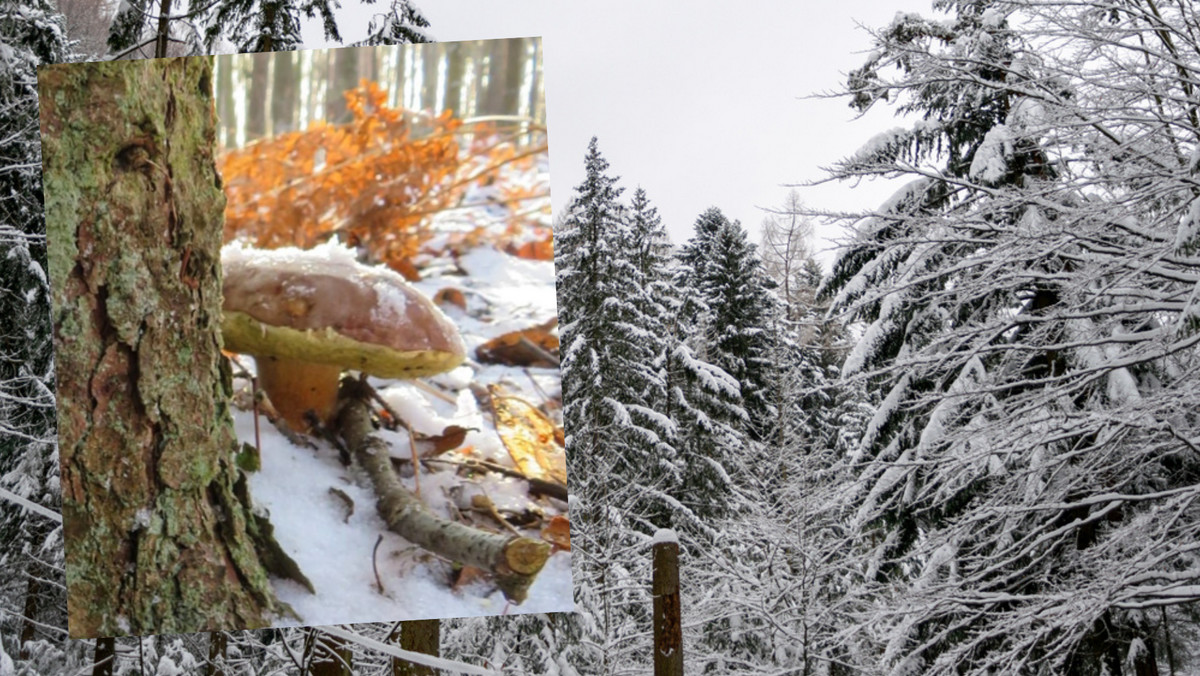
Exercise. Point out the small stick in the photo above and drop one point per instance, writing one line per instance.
(538, 486)
(416, 460)
(536, 386)
(430, 389)
(374, 552)
(379, 400)
(484, 502)
(539, 351)
(254, 399)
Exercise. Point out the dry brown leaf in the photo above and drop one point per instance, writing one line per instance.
(538, 250)
(530, 438)
(451, 438)
(535, 346)
(558, 532)
(450, 296)
(466, 575)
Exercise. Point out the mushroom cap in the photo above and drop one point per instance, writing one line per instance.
(322, 306)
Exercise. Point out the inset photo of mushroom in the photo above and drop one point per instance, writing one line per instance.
(306, 338)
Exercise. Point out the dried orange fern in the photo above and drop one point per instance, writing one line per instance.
(368, 181)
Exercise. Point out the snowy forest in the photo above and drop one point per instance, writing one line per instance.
(971, 447)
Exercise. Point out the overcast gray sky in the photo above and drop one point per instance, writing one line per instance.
(700, 103)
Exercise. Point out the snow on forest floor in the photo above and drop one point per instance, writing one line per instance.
(334, 548)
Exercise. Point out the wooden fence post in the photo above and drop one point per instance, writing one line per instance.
(668, 632)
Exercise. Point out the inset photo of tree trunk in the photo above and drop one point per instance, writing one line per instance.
(306, 338)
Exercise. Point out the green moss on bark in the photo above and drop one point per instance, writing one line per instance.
(156, 543)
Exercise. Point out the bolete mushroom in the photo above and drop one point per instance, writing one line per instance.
(307, 315)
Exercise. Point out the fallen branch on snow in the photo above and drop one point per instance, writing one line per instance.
(514, 561)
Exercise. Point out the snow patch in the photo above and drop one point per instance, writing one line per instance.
(664, 535)
(992, 158)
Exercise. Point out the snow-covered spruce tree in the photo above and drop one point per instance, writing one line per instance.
(146, 28)
(770, 598)
(266, 25)
(705, 403)
(727, 273)
(615, 442)
(274, 25)
(402, 23)
(1026, 497)
(649, 251)
(608, 356)
(31, 568)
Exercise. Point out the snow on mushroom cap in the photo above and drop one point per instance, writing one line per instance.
(321, 305)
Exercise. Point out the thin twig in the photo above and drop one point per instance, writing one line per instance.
(536, 486)
(416, 460)
(538, 350)
(430, 389)
(374, 566)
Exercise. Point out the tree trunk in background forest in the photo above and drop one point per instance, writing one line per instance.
(226, 109)
(505, 68)
(258, 98)
(30, 611)
(478, 56)
(497, 68)
(104, 657)
(331, 656)
(368, 64)
(163, 34)
(284, 93)
(218, 642)
(343, 75)
(398, 77)
(513, 74)
(157, 538)
(320, 73)
(455, 69)
(419, 636)
(430, 61)
(535, 76)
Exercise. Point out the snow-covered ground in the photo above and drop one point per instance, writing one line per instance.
(336, 549)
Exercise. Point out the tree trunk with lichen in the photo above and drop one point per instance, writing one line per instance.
(156, 539)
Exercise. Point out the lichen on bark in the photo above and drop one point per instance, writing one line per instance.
(156, 538)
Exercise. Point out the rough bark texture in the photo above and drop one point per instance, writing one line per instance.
(419, 636)
(668, 634)
(515, 561)
(155, 538)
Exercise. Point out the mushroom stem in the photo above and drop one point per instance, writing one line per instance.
(297, 387)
